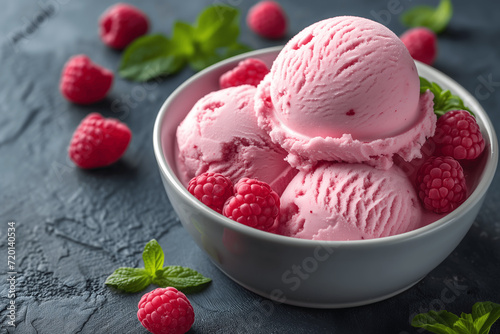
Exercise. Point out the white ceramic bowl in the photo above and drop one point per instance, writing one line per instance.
(325, 274)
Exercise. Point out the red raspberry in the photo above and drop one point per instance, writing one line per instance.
(458, 135)
(441, 184)
(120, 24)
(212, 189)
(84, 82)
(267, 19)
(98, 142)
(422, 44)
(248, 72)
(165, 311)
(254, 204)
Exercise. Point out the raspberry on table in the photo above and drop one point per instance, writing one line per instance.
(441, 184)
(121, 24)
(458, 135)
(212, 189)
(421, 43)
(84, 82)
(98, 141)
(267, 19)
(165, 311)
(254, 204)
(248, 72)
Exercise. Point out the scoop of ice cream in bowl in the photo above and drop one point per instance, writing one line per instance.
(345, 89)
(340, 130)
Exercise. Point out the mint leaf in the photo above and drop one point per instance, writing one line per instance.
(480, 321)
(442, 16)
(217, 26)
(436, 19)
(183, 39)
(150, 56)
(465, 325)
(418, 16)
(153, 257)
(485, 314)
(436, 322)
(129, 279)
(215, 37)
(444, 100)
(181, 278)
(424, 85)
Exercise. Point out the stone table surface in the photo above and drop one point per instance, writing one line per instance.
(74, 227)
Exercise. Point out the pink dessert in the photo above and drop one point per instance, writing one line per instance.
(340, 201)
(220, 135)
(340, 131)
(345, 89)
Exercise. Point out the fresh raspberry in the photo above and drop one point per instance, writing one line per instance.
(84, 82)
(165, 311)
(441, 184)
(248, 72)
(254, 204)
(267, 19)
(120, 24)
(98, 142)
(212, 189)
(458, 135)
(422, 44)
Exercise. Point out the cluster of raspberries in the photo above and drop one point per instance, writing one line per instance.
(250, 202)
(440, 180)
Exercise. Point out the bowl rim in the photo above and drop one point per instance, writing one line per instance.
(474, 197)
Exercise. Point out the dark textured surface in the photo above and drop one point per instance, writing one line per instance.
(74, 227)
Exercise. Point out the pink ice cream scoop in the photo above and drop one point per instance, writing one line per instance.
(220, 134)
(345, 89)
(340, 201)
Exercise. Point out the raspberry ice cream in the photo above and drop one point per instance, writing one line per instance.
(345, 89)
(220, 135)
(339, 201)
(337, 128)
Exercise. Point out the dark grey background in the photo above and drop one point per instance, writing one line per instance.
(75, 227)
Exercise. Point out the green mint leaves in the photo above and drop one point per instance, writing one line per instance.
(436, 19)
(137, 279)
(444, 101)
(152, 257)
(484, 315)
(212, 38)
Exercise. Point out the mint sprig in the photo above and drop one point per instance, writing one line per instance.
(212, 38)
(137, 279)
(151, 56)
(444, 100)
(435, 19)
(483, 316)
